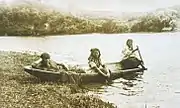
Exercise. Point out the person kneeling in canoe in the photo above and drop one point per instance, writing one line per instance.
(130, 59)
(45, 63)
(95, 63)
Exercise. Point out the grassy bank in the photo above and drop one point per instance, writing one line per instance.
(20, 90)
(25, 20)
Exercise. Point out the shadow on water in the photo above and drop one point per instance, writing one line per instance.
(127, 82)
(133, 76)
(128, 85)
(159, 52)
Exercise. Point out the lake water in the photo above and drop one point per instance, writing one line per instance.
(158, 87)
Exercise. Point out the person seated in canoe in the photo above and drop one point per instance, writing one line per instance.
(130, 59)
(45, 63)
(95, 63)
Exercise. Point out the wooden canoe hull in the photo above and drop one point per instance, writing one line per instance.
(73, 77)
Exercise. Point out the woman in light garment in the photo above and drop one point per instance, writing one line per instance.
(95, 63)
(45, 63)
(130, 58)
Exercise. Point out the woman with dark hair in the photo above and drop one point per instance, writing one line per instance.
(46, 63)
(130, 59)
(96, 64)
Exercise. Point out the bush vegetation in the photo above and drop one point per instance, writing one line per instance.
(25, 20)
(21, 90)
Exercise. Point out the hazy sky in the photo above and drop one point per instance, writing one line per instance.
(115, 5)
(112, 5)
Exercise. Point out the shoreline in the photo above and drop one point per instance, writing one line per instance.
(22, 20)
(22, 90)
(89, 34)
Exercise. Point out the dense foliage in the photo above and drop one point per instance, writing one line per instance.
(153, 23)
(28, 20)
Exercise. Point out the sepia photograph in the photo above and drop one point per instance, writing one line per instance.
(89, 53)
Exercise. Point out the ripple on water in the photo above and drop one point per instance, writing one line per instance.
(158, 86)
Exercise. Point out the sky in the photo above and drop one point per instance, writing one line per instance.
(115, 5)
(111, 5)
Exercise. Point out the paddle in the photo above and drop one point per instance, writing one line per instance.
(140, 55)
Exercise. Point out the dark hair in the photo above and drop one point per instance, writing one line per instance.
(45, 56)
(128, 41)
(92, 51)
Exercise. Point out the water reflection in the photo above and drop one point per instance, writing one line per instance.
(159, 86)
(133, 76)
(129, 85)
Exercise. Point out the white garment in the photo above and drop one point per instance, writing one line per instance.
(127, 52)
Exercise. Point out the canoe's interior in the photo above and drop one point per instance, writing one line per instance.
(85, 77)
(112, 67)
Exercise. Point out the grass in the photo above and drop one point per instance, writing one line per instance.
(20, 90)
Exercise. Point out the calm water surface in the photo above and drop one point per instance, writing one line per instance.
(159, 87)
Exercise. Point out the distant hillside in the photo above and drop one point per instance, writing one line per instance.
(31, 17)
(39, 4)
(44, 4)
(108, 14)
(170, 11)
(173, 12)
